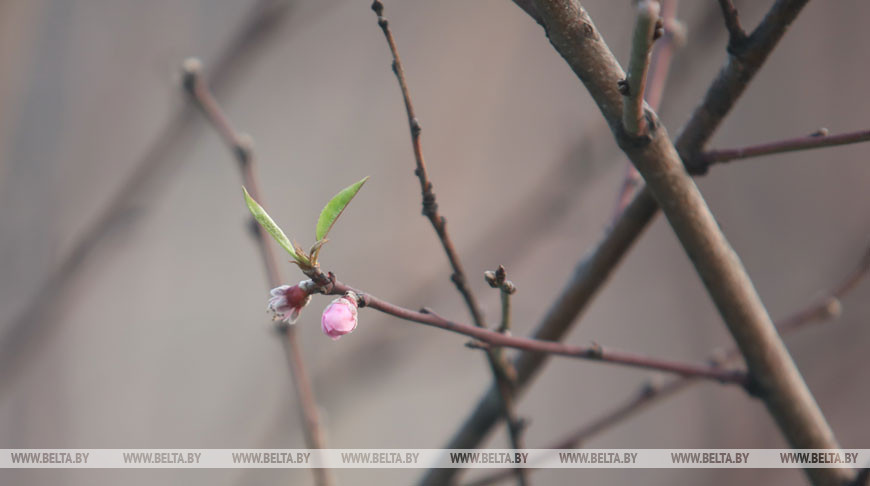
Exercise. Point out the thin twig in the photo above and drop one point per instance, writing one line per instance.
(654, 390)
(632, 88)
(660, 63)
(500, 367)
(819, 139)
(430, 207)
(488, 339)
(498, 280)
(736, 34)
(776, 377)
(195, 86)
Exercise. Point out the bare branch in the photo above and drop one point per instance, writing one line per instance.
(660, 63)
(734, 77)
(516, 426)
(819, 139)
(241, 147)
(654, 391)
(736, 34)
(498, 280)
(488, 339)
(501, 369)
(430, 207)
(632, 88)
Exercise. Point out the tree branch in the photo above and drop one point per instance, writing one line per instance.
(501, 369)
(736, 34)
(498, 280)
(777, 380)
(430, 207)
(654, 390)
(488, 339)
(632, 88)
(819, 139)
(660, 63)
(734, 77)
(241, 146)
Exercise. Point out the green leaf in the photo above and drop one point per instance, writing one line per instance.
(335, 207)
(269, 225)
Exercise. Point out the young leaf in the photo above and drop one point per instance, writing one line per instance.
(266, 222)
(335, 207)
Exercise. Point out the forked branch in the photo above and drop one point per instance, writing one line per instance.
(655, 390)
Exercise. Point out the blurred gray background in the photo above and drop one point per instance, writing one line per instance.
(159, 337)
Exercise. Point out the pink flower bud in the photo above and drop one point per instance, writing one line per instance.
(287, 301)
(339, 317)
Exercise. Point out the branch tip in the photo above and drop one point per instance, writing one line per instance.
(378, 7)
(191, 71)
(623, 87)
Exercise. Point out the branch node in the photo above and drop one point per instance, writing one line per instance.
(362, 300)
(736, 35)
(325, 283)
(833, 308)
(623, 87)
(430, 207)
(659, 30)
(191, 70)
(595, 351)
(378, 7)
